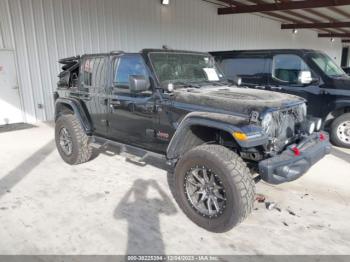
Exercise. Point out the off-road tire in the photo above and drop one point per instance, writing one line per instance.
(334, 130)
(235, 177)
(81, 150)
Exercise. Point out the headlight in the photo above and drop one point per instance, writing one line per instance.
(317, 121)
(309, 126)
(304, 109)
(266, 122)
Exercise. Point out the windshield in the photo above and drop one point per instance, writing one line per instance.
(327, 65)
(185, 68)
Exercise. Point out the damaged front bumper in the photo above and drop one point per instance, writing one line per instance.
(295, 160)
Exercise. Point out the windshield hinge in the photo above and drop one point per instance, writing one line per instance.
(254, 117)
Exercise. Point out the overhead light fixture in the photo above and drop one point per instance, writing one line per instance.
(295, 31)
(332, 39)
(165, 2)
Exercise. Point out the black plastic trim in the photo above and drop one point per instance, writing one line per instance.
(287, 166)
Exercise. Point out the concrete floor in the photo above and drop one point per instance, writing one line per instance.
(49, 207)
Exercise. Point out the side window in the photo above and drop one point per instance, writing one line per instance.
(251, 70)
(287, 68)
(125, 66)
(88, 67)
(95, 72)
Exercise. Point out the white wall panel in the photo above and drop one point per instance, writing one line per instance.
(42, 31)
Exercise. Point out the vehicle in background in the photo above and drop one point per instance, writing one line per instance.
(310, 74)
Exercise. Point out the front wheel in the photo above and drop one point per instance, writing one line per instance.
(214, 187)
(340, 131)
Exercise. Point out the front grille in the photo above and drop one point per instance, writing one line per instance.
(285, 123)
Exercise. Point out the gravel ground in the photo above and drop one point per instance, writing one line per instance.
(114, 206)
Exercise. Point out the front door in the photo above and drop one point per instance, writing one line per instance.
(10, 105)
(286, 69)
(133, 115)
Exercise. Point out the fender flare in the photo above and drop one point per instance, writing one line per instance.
(224, 122)
(78, 110)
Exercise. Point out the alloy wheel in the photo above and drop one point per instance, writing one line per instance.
(205, 192)
(66, 142)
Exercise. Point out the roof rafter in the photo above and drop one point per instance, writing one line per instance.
(333, 35)
(281, 6)
(294, 14)
(316, 25)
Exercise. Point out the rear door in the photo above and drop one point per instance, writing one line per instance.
(251, 69)
(93, 91)
(10, 105)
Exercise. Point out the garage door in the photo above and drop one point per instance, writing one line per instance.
(10, 105)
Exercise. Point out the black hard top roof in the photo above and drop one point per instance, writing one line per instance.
(147, 51)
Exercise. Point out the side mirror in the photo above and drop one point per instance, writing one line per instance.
(235, 80)
(138, 83)
(305, 77)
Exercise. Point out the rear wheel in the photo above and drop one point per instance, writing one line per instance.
(71, 141)
(214, 187)
(340, 131)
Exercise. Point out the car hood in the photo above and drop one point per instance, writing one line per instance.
(234, 99)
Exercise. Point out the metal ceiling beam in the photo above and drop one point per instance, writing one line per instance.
(281, 6)
(321, 15)
(275, 15)
(232, 2)
(335, 35)
(291, 13)
(316, 25)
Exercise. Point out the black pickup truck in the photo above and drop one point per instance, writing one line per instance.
(178, 104)
(310, 74)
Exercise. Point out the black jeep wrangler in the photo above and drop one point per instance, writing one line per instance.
(179, 105)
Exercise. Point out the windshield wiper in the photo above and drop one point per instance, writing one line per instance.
(186, 84)
(216, 83)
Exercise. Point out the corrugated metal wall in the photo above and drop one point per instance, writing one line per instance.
(42, 31)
